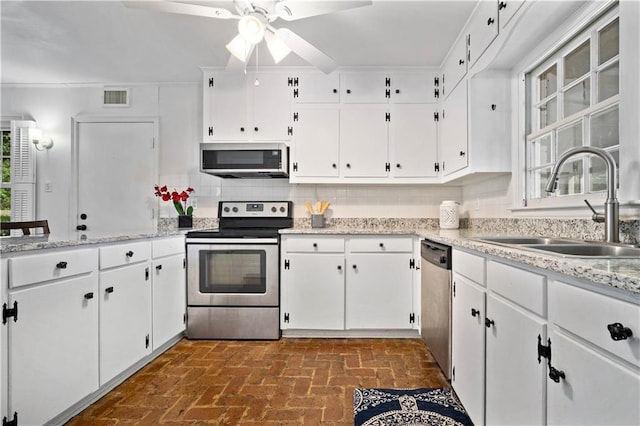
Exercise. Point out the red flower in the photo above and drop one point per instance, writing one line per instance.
(165, 196)
(178, 198)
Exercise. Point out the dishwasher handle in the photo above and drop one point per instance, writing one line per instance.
(435, 253)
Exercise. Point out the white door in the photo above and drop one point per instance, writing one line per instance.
(364, 150)
(117, 169)
(226, 107)
(271, 107)
(413, 141)
(453, 126)
(316, 136)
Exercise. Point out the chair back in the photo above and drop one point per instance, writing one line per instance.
(27, 226)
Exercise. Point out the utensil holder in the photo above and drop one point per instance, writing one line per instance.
(317, 221)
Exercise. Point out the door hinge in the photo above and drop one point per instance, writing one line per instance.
(286, 317)
(453, 373)
(436, 93)
(295, 167)
(436, 167)
(454, 289)
(184, 263)
(292, 81)
(146, 274)
(286, 264)
(146, 341)
(387, 93)
(544, 351)
(387, 167)
(443, 166)
(412, 264)
(211, 131)
(9, 312)
(387, 116)
(412, 318)
(211, 82)
(436, 81)
(184, 318)
(387, 82)
(436, 116)
(12, 422)
(295, 116)
(290, 131)
(295, 93)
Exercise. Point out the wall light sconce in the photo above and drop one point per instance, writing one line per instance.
(40, 141)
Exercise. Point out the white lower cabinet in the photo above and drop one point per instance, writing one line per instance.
(53, 342)
(354, 283)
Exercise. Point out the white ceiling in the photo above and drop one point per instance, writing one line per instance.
(104, 41)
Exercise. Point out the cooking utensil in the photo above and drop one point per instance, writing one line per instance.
(309, 207)
(324, 206)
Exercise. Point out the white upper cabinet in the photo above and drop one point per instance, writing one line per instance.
(316, 141)
(365, 87)
(413, 141)
(417, 87)
(453, 131)
(455, 66)
(315, 88)
(363, 141)
(482, 30)
(235, 108)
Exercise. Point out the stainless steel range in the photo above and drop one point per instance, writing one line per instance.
(233, 273)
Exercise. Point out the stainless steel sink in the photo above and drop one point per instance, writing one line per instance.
(526, 240)
(589, 250)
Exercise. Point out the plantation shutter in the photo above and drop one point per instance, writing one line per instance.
(23, 172)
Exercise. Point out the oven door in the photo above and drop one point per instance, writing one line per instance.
(233, 272)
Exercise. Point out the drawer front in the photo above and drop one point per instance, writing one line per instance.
(470, 266)
(313, 244)
(381, 245)
(525, 288)
(167, 246)
(588, 315)
(33, 269)
(124, 254)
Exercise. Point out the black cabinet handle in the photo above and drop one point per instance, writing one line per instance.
(555, 374)
(490, 21)
(159, 267)
(339, 267)
(242, 129)
(619, 331)
(315, 245)
(355, 266)
(348, 90)
(81, 227)
(334, 165)
(348, 166)
(461, 61)
(502, 5)
(129, 253)
(255, 129)
(335, 90)
(462, 153)
(488, 322)
(397, 91)
(381, 245)
(474, 312)
(88, 296)
(108, 290)
(61, 265)
(493, 107)
(399, 166)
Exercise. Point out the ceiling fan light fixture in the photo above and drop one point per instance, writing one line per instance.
(278, 49)
(251, 27)
(240, 48)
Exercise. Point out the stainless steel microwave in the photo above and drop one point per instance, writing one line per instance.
(245, 159)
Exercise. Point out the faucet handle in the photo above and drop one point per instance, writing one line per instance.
(597, 217)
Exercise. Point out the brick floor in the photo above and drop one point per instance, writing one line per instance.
(284, 382)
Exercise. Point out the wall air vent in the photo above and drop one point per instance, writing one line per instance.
(115, 97)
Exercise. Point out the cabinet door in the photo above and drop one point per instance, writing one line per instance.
(468, 346)
(515, 381)
(413, 141)
(169, 298)
(125, 318)
(316, 141)
(317, 88)
(313, 290)
(483, 29)
(595, 391)
(271, 106)
(379, 291)
(453, 126)
(454, 67)
(53, 348)
(413, 87)
(364, 87)
(363, 141)
(225, 107)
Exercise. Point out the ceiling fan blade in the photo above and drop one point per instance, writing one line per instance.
(235, 64)
(305, 50)
(182, 8)
(290, 10)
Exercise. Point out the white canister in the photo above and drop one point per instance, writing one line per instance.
(449, 217)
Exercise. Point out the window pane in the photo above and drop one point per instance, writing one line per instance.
(569, 137)
(6, 170)
(5, 204)
(577, 98)
(608, 82)
(570, 178)
(598, 170)
(608, 44)
(540, 151)
(548, 82)
(6, 144)
(538, 180)
(548, 113)
(604, 128)
(576, 63)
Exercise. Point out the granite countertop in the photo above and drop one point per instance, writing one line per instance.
(57, 240)
(623, 274)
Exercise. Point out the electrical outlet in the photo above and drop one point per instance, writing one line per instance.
(477, 203)
(48, 186)
(194, 202)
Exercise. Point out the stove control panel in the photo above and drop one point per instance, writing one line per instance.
(254, 209)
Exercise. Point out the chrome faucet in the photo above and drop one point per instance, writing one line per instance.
(611, 205)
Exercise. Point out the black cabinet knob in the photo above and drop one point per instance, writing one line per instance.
(348, 166)
(81, 227)
(315, 245)
(355, 266)
(462, 153)
(129, 253)
(83, 216)
(381, 245)
(335, 90)
(255, 129)
(88, 296)
(334, 165)
(159, 267)
(399, 166)
(242, 129)
(339, 267)
(348, 90)
(474, 312)
(493, 107)
(461, 61)
(502, 5)
(108, 290)
(619, 331)
(397, 91)
(61, 265)
(488, 322)
(555, 374)
(490, 21)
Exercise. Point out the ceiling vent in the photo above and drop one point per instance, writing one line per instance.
(115, 97)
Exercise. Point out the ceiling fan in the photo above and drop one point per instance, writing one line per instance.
(254, 25)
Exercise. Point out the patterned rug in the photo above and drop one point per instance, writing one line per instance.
(394, 407)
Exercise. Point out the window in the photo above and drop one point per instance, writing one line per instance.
(5, 188)
(574, 97)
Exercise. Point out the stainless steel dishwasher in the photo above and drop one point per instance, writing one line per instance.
(435, 315)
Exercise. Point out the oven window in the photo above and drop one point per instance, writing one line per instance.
(233, 271)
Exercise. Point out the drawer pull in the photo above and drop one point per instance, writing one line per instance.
(474, 312)
(89, 295)
(129, 253)
(61, 265)
(381, 245)
(619, 331)
(488, 322)
(109, 290)
(339, 267)
(555, 374)
(315, 245)
(158, 268)
(355, 266)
